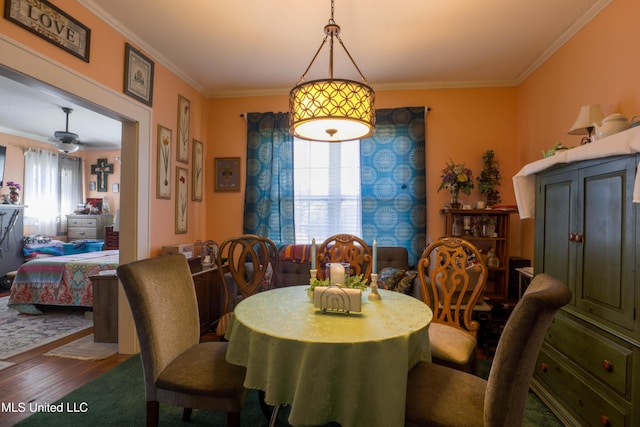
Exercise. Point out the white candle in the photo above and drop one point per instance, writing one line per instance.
(337, 274)
(313, 253)
(374, 268)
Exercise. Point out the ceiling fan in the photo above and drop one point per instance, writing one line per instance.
(67, 142)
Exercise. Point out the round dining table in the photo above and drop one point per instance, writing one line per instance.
(330, 366)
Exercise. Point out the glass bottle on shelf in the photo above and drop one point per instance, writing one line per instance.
(492, 259)
(456, 228)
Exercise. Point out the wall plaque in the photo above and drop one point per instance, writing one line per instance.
(52, 24)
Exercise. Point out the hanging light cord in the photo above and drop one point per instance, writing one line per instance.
(332, 30)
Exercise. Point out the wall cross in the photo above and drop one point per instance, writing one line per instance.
(102, 169)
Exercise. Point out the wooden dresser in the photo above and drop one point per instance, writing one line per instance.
(587, 235)
(80, 227)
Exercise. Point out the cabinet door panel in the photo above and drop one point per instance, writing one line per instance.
(554, 253)
(605, 259)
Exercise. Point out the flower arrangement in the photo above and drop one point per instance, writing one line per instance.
(457, 177)
(14, 192)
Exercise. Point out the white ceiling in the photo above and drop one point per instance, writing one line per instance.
(258, 47)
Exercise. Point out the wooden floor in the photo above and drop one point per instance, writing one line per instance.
(36, 377)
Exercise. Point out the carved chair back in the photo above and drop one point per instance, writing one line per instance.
(345, 248)
(452, 277)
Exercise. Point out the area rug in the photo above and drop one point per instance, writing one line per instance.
(85, 348)
(117, 399)
(20, 333)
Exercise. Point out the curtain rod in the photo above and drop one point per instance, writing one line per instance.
(244, 115)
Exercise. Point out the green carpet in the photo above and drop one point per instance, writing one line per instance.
(117, 399)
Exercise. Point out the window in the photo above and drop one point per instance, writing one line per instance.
(53, 188)
(327, 195)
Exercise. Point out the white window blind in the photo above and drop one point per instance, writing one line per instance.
(327, 195)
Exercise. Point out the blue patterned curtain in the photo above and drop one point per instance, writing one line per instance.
(393, 181)
(268, 203)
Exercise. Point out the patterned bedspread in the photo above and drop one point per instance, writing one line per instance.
(62, 280)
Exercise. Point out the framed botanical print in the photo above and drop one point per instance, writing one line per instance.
(163, 182)
(227, 174)
(182, 199)
(184, 111)
(138, 75)
(197, 171)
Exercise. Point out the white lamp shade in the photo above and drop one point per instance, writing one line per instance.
(589, 114)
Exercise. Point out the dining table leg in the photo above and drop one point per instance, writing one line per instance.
(274, 415)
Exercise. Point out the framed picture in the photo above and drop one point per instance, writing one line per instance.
(138, 75)
(163, 183)
(92, 186)
(184, 111)
(182, 199)
(51, 23)
(227, 174)
(197, 171)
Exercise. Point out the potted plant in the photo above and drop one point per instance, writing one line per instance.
(489, 178)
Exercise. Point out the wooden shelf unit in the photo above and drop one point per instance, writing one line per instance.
(497, 283)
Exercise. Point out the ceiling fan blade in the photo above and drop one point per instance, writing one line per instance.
(66, 136)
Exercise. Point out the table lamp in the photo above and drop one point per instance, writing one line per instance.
(588, 115)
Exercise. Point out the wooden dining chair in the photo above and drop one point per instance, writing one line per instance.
(345, 248)
(452, 278)
(441, 396)
(178, 368)
(247, 264)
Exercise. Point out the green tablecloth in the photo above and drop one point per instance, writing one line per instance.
(330, 366)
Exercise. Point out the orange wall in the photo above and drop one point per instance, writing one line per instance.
(600, 65)
(91, 158)
(106, 66)
(461, 126)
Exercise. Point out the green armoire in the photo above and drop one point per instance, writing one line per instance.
(588, 369)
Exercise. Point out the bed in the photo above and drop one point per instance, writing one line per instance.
(59, 280)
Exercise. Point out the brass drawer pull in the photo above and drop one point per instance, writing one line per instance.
(607, 365)
(544, 367)
(605, 421)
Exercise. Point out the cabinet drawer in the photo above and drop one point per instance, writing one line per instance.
(593, 352)
(585, 402)
(82, 222)
(75, 233)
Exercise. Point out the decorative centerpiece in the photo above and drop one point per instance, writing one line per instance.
(489, 179)
(337, 299)
(456, 178)
(14, 192)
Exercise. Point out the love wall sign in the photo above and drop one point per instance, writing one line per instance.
(52, 24)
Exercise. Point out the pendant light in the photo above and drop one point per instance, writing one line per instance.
(331, 110)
